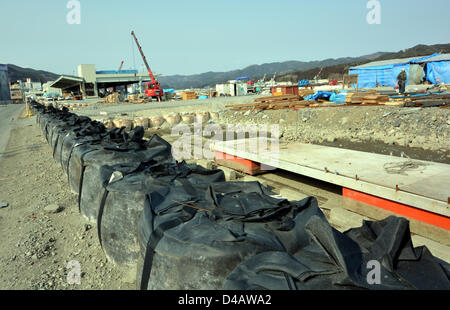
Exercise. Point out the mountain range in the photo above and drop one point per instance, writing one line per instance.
(286, 71)
(17, 73)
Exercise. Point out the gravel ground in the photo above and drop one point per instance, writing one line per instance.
(413, 132)
(418, 133)
(37, 244)
(8, 112)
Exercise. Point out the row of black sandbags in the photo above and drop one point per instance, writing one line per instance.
(186, 228)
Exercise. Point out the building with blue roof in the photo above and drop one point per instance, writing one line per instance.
(433, 68)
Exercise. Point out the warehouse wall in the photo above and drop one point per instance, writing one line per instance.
(4, 85)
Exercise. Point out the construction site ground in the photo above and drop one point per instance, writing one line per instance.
(418, 133)
(37, 246)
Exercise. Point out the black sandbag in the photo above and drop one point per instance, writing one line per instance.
(81, 147)
(76, 162)
(37, 109)
(335, 261)
(94, 132)
(55, 117)
(132, 152)
(43, 115)
(78, 125)
(119, 215)
(191, 242)
(43, 124)
(46, 113)
(61, 119)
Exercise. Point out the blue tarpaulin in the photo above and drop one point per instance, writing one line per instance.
(303, 83)
(438, 70)
(384, 76)
(117, 72)
(51, 95)
(325, 95)
(338, 98)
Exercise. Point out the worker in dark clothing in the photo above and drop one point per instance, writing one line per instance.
(401, 78)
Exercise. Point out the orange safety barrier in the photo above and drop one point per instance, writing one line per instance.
(398, 208)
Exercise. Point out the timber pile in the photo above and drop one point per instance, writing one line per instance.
(114, 98)
(426, 101)
(438, 100)
(273, 103)
(189, 95)
(366, 98)
(134, 98)
(305, 92)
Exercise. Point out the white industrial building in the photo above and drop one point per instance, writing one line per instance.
(232, 88)
(91, 82)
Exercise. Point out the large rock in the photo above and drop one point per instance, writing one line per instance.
(203, 116)
(142, 122)
(53, 209)
(157, 121)
(173, 119)
(188, 118)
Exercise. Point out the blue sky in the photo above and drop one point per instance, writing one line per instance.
(195, 36)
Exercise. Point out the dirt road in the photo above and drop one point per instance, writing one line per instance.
(37, 246)
(7, 115)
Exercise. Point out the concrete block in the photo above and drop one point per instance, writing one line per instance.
(207, 164)
(249, 178)
(346, 219)
(230, 174)
(437, 249)
(291, 194)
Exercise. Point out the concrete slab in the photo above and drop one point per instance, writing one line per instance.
(421, 184)
(290, 194)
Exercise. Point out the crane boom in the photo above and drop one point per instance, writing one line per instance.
(152, 77)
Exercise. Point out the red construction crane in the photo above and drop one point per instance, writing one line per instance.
(121, 66)
(153, 88)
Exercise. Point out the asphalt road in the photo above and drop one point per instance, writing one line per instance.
(8, 114)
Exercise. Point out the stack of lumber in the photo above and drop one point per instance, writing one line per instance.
(134, 98)
(113, 98)
(305, 92)
(366, 98)
(437, 100)
(428, 100)
(273, 103)
(375, 99)
(189, 95)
